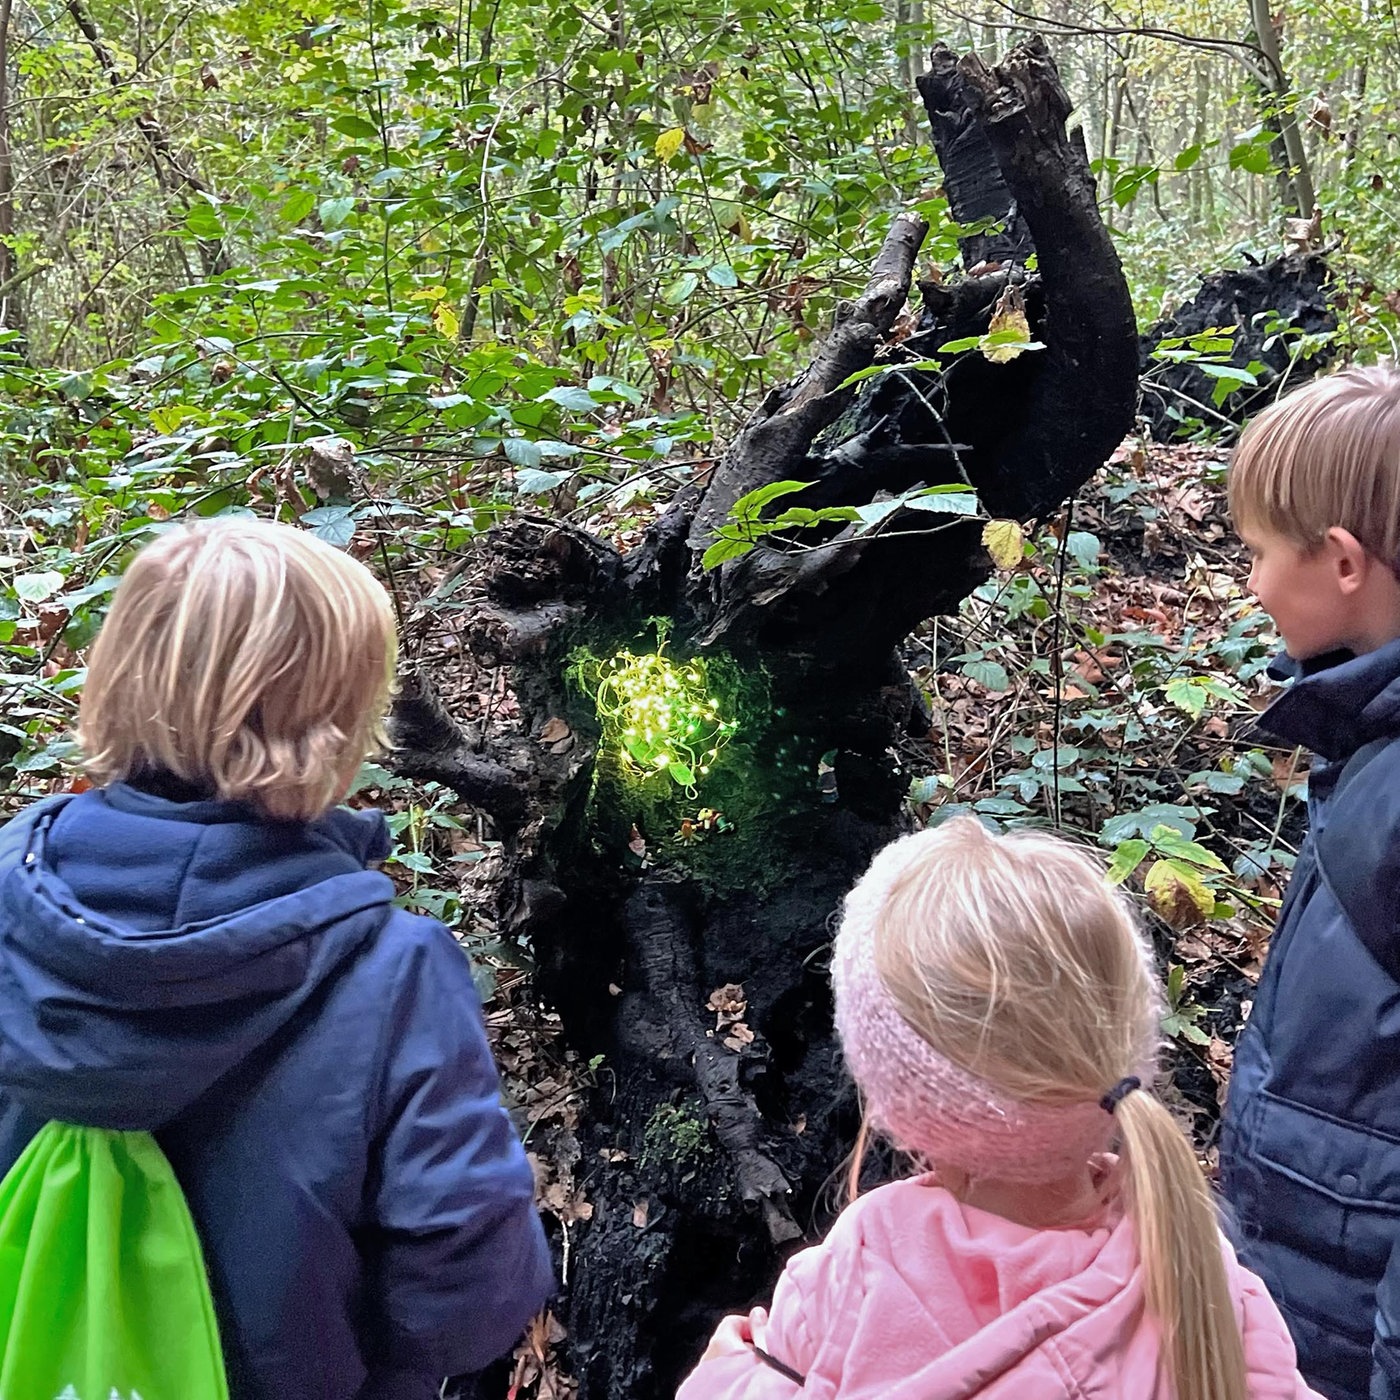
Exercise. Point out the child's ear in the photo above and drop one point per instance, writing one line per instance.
(1350, 559)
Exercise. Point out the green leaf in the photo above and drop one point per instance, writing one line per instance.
(1187, 158)
(530, 481)
(722, 275)
(202, 220)
(334, 212)
(750, 505)
(298, 205)
(37, 588)
(1187, 696)
(1084, 549)
(991, 674)
(1172, 843)
(522, 452)
(334, 524)
(959, 503)
(724, 548)
(571, 397)
(1126, 859)
(349, 124)
(681, 774)
(682, 289)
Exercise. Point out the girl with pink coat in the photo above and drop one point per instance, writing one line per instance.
(998, 1009)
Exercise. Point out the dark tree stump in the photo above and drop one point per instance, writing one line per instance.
(728, 1141)
(1297, 287)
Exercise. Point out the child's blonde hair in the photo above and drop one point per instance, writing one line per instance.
(1327, 455)
(1015, 962)
(246, 658)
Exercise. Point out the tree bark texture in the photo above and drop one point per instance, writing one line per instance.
(707, 1149)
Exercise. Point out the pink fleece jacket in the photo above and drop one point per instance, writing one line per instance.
(914, 1296)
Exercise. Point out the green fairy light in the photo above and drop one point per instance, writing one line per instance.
(662, 716)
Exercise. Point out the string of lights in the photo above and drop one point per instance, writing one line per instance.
(662, 716)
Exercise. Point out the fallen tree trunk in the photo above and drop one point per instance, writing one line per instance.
(705, 756)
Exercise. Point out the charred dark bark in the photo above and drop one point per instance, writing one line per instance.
(1275, 311)
(635, 908)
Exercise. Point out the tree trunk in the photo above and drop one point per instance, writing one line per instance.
(1299, 172)
(644, 887)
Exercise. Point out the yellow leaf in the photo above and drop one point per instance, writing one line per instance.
(1008, 320)
(1178, 894)
(430, 243)
(445, 319)
(669, 142)
(1005, 541)
(428, 294)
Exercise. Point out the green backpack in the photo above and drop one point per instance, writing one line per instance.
(103, 1293)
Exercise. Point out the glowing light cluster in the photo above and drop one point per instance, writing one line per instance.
(661, 715)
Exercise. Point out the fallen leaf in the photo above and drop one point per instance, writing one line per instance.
(728, 999)
(554, 729)
(1220, 1058)
(640, 1212)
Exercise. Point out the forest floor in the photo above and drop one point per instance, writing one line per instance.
(1109, 685)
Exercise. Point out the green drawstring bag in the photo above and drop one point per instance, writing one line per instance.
(103, 1293)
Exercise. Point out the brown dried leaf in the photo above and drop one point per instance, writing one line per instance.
(554, 730)
(728, 1000)
(640, 1211)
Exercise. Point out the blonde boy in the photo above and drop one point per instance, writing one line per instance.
(199, 947)
(1310, 1153)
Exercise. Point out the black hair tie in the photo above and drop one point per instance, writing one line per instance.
(1119, 1092)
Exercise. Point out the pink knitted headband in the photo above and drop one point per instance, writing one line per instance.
(925, 1103)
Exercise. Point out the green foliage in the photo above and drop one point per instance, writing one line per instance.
(676, 1135)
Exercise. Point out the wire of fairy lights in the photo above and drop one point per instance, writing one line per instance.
(662, 716)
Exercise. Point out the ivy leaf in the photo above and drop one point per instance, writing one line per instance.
(333, 524)
(669, 143)
(1005, 541)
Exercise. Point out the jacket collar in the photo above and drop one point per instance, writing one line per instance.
(1337, 702)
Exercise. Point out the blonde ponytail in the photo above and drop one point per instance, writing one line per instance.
(1027, 991)
(1188, 1289)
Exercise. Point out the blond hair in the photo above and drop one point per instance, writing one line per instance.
(246, 658)
(1013, 958)
(1327, 455)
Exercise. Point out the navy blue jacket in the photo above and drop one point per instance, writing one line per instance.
(311, 1059)
(1310, 1154)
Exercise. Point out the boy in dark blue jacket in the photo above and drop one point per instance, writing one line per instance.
(1310, 1154)
(199, 947)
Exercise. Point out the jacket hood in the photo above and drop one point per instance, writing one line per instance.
(1337, 702)
(148, 946)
